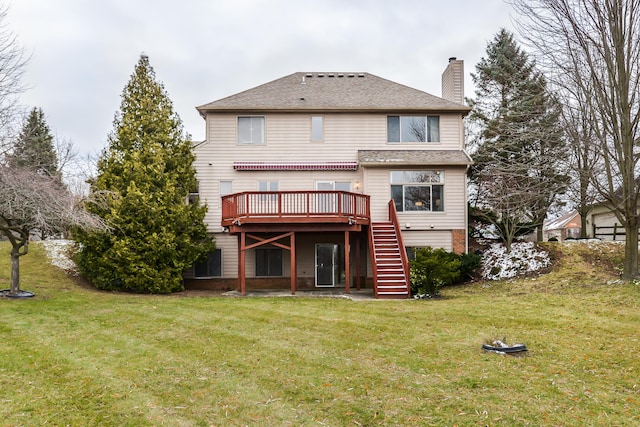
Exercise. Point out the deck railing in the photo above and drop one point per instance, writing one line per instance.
(393, 217)
(303, 206)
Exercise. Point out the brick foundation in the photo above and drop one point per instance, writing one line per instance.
(228, 284)
(459, 241)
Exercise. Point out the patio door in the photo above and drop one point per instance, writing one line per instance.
(329, 264)
(328, 203)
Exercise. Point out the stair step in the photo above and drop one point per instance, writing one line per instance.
(390, 278)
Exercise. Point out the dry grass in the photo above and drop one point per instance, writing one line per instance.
(75, 356)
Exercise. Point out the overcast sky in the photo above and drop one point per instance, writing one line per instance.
(83, 52)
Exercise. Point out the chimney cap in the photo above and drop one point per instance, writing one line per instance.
(453, 58)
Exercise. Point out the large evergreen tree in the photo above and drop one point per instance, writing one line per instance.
(145, 174)
(34, 147)
(518, 140)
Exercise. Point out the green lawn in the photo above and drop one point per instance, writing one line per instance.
(75, 356)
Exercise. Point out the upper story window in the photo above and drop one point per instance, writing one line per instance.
(418, 190)
(251, 130)
(413, 128)
(317, 128)
(226, 187)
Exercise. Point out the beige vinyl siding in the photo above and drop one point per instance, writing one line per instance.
(421, 239)
(229, 246)
(451, 132)
(288, 138)
(377, 185)
(305, 246)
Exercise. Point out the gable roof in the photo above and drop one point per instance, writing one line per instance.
(562, 221)
(337, 92)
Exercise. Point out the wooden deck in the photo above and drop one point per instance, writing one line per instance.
(295, 207)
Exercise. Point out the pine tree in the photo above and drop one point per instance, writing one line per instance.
(34, 147)
(519, 145)
(145, 175)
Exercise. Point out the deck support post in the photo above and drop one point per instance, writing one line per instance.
(294, 275)
(242, 285)
(347, 262)
(358, 266)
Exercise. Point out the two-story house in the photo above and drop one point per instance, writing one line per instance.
(325, 179)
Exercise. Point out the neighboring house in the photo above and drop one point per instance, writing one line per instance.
(319, 180)
(564, 227)
(603, 224)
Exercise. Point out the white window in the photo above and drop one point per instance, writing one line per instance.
(333, 185)
(194, 195)
(317, 128)
(413, 128)
(267, 185)
(225, 188)
(251, 130)
(418, 190)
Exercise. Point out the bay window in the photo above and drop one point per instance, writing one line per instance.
(418, 190)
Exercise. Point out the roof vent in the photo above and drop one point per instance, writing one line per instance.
(361, 75)
(320, 75)
(331, 75)
(352, 75)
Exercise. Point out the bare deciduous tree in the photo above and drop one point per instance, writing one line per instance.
(592, 47)
(35, 202)
(503, 196)
(583, 156)
(12, 67)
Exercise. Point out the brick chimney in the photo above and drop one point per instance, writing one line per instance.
(453, 81)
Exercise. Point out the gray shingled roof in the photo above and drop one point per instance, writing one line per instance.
(332, 92)
(386, 158)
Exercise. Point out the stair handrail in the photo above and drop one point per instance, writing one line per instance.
(393, 217)
(374, 264)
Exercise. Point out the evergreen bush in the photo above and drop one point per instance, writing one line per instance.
(432, 269)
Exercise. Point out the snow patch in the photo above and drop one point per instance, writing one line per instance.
(57, 251)
(524, 258)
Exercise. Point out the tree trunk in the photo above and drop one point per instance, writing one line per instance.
(583, 226)
(15, 273)
(630, 268)
(539, 233)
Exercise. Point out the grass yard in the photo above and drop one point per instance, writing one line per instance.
(78, 357)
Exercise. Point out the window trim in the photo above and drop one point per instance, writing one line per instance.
(262, 130)
(271, 250)
(314, 123)
(404, 183)
(193, 198)
(428, 131)
(209, 276)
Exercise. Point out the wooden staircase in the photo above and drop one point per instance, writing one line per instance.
(390, 265)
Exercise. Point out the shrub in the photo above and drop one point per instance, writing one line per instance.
(433, 268)
(470, 264)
